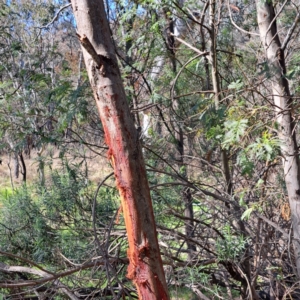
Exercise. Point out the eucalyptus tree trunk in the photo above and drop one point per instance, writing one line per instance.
(16, 164)
(283, 108)
(145, 265)
(213, 53)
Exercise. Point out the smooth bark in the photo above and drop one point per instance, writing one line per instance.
(283, 108)
(213, 53)
(145, 267)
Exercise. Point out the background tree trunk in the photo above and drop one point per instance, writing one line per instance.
(145, 268)
(283, 108)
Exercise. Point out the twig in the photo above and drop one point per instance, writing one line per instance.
(249, 285)
(274, 225)
(68, 272)
(183, 67)
(289, 248)
(235, 25)
(275, 18)
(56, 16)
(25, 260)
(145, 107)
(190, 46)
(290, 32)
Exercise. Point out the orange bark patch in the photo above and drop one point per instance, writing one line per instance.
(234, 8)
(131, 268)
(120, 210)
(285, 211)
(107, 112)
(122, 145)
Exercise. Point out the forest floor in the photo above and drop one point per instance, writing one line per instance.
(98, 167)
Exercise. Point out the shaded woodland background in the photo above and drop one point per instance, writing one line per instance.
(213, 157)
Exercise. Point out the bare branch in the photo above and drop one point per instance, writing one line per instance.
(87, 45)
(56, 16)
(190, 46)
(25, 260)
(274, 225)
(183, 67)
(6, 284)
(10, 269)
(235, 25)
(290, 32)
(276, 16)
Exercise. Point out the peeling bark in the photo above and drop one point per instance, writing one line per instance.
(145, 267)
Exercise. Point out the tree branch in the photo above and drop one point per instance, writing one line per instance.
(56, 16)
(48, 277)
(290, 32)
(235, 25)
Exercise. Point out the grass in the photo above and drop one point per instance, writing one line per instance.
(98, 167)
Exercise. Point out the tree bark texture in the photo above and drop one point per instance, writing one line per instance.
(283, 108)
(213, 53)
(145, 265)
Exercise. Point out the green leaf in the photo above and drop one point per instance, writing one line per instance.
(268, 148)
(234, 130)
(5, 84)
(247, 213)
(237, 85)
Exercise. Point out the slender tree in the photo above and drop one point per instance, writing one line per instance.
(283, 108)
(145, 268)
